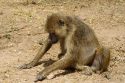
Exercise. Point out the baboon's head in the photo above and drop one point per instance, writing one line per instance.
(57, 24)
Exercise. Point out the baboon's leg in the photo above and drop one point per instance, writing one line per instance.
(101, 60)
(106, 59)
(65, 62)
(97, 63)
(62, 47)
(46, 46)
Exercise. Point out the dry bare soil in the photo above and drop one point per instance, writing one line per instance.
(22, 27)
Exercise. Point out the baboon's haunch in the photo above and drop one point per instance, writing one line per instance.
(80, 48)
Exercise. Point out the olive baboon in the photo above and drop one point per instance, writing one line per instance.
(80, 48)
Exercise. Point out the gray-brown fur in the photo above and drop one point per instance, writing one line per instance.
(79, 46)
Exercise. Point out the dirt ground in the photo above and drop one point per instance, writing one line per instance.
(22, 27)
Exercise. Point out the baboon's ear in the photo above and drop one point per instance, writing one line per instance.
(61, 22)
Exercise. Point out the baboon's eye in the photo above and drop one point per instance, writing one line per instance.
(61, 22)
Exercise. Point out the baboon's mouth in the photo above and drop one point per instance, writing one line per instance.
(53, 37)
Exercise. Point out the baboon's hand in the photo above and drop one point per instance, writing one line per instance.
(26, 66)
(40, 77)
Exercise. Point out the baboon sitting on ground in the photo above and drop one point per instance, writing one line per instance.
(80, 48)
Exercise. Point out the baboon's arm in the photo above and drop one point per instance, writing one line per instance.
(46, 46)
(43, 49)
